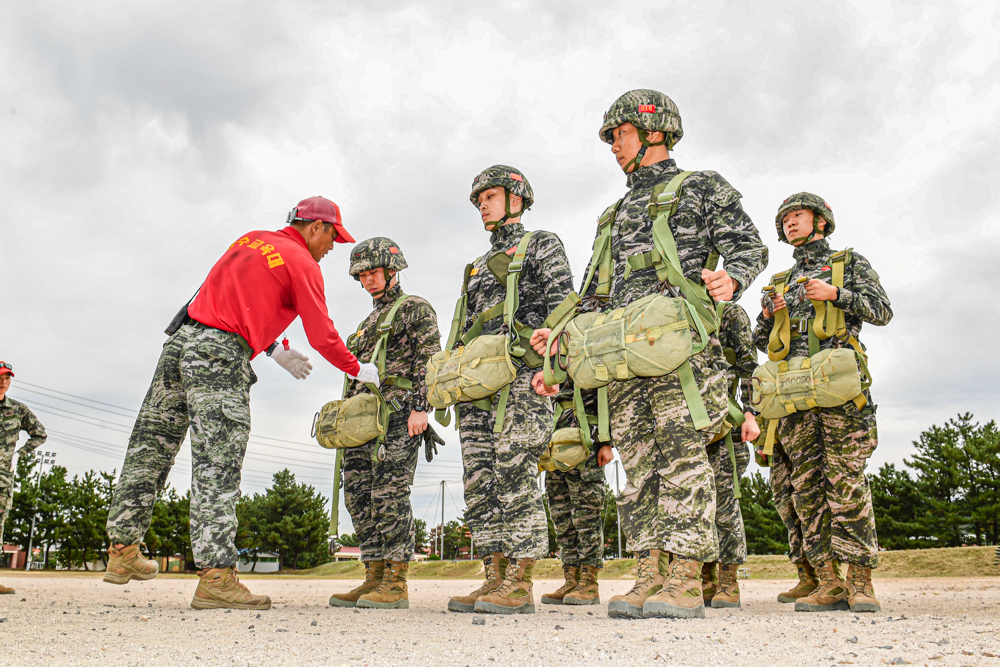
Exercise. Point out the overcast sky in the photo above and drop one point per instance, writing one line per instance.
(140, 139)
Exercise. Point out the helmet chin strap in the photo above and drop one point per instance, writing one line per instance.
(388, 280)
(507, 213)
(633, 164)
(809, 238)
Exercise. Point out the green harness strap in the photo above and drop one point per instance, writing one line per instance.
(732, 459)
(601, 260)
(781, 330)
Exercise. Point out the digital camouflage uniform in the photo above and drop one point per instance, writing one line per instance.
(504, 506)
(820, 455)
(736, 334)
(669, 502)
(14, 418)
(202, 380)
(377, 494)
(576, 497)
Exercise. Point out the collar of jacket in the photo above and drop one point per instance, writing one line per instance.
(506, 234)
(651, 174)
(811, 253)
(390, 296)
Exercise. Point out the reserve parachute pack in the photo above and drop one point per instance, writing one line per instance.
(651, 336)
(569, 447)
(825, 379)
(472, 368)
(354, 421)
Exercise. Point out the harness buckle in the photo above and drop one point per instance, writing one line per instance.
(760, 396)
(514, 267)
(801, 325)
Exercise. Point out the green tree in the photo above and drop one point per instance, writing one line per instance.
(419, 535)
(765, 531)
(82, 537)
(170, 529)
(294, 522)
(898, 506)
(349, 540)
(23, 502)
(250, 515)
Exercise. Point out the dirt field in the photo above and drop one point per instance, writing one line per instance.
(71, 619)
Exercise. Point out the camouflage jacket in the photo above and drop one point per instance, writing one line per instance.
(14, 418)
(546, 278)
(413, 340)
(709, 217)
(861, 298)
(736, 334)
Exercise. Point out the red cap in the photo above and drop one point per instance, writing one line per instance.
(321, 208)
(6, 368)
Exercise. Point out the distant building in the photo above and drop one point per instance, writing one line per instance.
(12, 557)
(348, 553)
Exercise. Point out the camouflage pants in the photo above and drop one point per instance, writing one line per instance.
(728, 516)
(377, 494)
(504, 507)
(203, 380)
(669, 502)
(576, 503)
(828, 449)
(6, 496)
(781, 490)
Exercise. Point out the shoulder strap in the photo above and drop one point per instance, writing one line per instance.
(830, 320)
(384, 328)
(458, 319)
(512, 299)
(600, 260)
(781, 330)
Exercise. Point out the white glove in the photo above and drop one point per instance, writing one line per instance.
(294, 362)
(367, 374)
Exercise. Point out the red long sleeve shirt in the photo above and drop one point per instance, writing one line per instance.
(260, 285)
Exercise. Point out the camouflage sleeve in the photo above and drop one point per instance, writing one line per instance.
(862, 294)
(739, 336)
(732, 233)
(550, 273)
(425, 341)
(36, 432)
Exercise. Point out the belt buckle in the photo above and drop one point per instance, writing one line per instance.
(802, 325)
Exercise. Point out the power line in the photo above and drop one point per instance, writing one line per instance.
(82, 398)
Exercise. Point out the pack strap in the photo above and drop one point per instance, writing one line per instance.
(601, 260)
(512, 299)
(732, 459)
(501, 409)
(582, 419)
(692, 396)
(781, 330)
(384, 328)
(772, 431)
(603, 415)
(461, 306)
(335, 509)
(557, 321)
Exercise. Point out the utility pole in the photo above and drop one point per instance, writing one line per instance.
(42, 460)
(442, 519)
(617, 511)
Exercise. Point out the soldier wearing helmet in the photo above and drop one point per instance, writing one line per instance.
(669, 505)
(503, 441)
(819, 455)
(377, 492)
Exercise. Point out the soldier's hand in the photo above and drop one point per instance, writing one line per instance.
(604, 455)
(417, 423)
(779, 304)
(750, 431)
(538, 340)
(719, 285)
(542, 389)
(817, 290)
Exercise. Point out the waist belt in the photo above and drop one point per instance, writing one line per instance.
(239, 339)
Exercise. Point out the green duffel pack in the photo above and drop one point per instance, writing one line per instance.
(570, 447)
(469, 372)
(648, 338)
(351, 422)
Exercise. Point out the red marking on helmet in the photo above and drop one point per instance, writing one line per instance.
(829, 208)
(516, 177)
(647, 108)
(394, 250)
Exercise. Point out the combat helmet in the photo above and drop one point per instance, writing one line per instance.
(375, 253)
(512, 181)
(815, 203)
(649, 111)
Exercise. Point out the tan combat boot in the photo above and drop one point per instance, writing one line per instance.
(830, 595)
(728, 594)
(681, 595)
(709, 582)
(220, 588)
(587, 591)
(514, 595)
(572, 575)
(373, 577)
(860, 591)
(650, 568)
(391, 593)
(126, 563)
(6, 591)
(808, 581)
(494, 569)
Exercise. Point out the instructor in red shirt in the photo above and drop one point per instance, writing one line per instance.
(203, 380)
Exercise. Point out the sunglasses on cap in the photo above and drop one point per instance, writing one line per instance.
(4, 364)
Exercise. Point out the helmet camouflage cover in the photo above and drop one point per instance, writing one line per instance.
(379, 252)
(648, 110)
(802, 200)
(508, 178)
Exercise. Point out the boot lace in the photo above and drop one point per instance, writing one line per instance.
(388, 579)
(860, 582)
(675, 576)
(644, 572)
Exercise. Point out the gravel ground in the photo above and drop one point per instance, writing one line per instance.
(80, 620)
